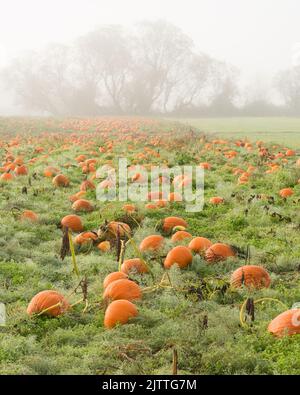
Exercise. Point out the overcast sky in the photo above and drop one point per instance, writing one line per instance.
(258, 36)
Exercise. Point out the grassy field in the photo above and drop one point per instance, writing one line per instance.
(278, 130)
(195, 310)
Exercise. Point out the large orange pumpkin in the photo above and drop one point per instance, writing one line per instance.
(170, 222)
(251, 276)
(119, 312)
(73, 222)
(85, 237)
(199, 244)
(179, 255)
(286, 323)
(82, 205)
(134, 265)
(113, 277)
(218, 252)
(46, 299)
(122, 289)
(151, 243)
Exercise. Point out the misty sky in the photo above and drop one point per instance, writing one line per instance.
(258, 36)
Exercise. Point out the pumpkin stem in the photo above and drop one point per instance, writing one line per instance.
(49, 308)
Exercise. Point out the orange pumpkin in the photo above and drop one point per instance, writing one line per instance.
(19, 161)
(6, 177)
(286, 323)
(205, 165)
(104, 246)
(218, 252)
(21, 170)
(181, 235)
(113, 277)
(82, 205)
(77, 196)
(290, 152)
(114, 227)
(251, 276)
(122, 289)
(216, 200)
(129, 208)
(45, 300)
(179, 255)
(286, 192)
(85, 185)
(199, 244)
(134, 265)
(29, 215)
(151, 206)
(50, 171)
(161, 203)
(170, 222)
(73, 222)
(80, 158)
(151, 243)
(85, 237)
(60, 181)
(119, 312)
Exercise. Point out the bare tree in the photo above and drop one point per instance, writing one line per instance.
(153, 68)
(288, 84)
(104, 60)
(160, 49)
(41, 80)
(224, 88)
(194, 84)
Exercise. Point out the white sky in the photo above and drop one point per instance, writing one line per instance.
(257, 36)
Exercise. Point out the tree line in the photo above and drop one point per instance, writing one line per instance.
(153, 68)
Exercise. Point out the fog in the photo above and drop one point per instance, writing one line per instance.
(236, 57)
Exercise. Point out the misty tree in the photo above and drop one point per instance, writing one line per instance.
(103, 65)
(41, 80)
(151, 68)
(288, 84)
(194, 83)
(159, 53)
(224, 88)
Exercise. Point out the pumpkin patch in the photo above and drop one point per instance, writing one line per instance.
(218, 285)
